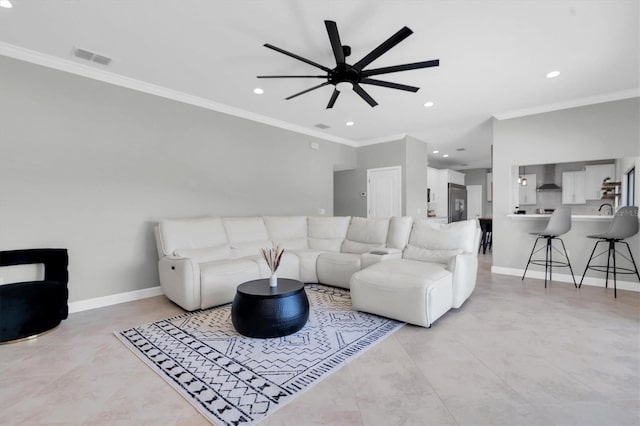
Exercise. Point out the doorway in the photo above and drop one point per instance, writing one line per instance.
(384, 189)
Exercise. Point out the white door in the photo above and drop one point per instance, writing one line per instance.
(474, 201)
(384, 189)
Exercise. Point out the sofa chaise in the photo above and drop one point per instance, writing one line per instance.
(413, 271)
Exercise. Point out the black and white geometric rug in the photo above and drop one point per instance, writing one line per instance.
(232, 379)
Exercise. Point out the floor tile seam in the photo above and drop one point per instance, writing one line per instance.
(498, 376)
(346, 367)
(455, 419)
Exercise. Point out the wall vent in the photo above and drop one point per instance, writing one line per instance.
(91, 56)
(321, 126)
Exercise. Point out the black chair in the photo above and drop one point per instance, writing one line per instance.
(559, 224)
(486, 226)
(33, 307)
(623, 225)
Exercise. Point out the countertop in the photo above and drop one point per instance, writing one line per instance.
(576, 217)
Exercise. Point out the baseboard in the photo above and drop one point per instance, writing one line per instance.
(591, 281)
(114, 299)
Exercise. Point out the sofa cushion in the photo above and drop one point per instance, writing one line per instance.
(337, 268)
(247, 235)
(195, 233)
(365, 234)
(440, 241)
(288, 232)
(308, 261)
(399, 231)
(327, 233)
(207, 254)
(219, 280)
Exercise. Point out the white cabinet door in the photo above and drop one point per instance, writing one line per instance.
(573, 188)
(455, 177)
(593, 177)
(528, 193)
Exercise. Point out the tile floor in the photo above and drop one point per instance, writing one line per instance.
(514, 354)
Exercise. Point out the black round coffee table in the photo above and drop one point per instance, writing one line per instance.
(262, 311)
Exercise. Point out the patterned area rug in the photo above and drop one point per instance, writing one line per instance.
(232, 379)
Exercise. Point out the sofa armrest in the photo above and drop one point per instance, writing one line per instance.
(371, 258)
(464, 268)
(180, 281)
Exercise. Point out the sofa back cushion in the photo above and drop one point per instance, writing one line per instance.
(365, 234)
(199, 233)
(439, 242)
(288, 232)
(247, 235)
(327, 233)
(399, 231)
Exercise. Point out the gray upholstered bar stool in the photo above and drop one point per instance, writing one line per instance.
(559, 224)
(623, 225)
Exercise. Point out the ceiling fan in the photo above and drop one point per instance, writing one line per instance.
(345, 76)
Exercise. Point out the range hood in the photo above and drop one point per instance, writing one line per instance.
(548, 179)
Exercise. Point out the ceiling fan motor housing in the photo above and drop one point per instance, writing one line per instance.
(343, 73)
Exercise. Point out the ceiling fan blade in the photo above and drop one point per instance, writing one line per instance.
(403, 33)
(389, 84)
(292, 76)
(334, 97)
(308, 90)
(364, 95)
(336, 45)
(300, 58)
(404, 67)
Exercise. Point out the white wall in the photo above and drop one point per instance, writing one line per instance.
(92, 167)
(595, 132)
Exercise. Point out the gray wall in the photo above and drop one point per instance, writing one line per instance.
(348, 184)
(92, 167)
(595, 132)
(415, 192)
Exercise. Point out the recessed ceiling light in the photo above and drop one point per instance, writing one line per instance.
(553, 74)
(436, 151)
(445, 156)
(257, 90)
(6, 4)
(349, 123)
(428, 104)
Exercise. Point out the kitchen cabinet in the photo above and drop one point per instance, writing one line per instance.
(437, 182)
(528, 194)
(573, 187)
(593, 177)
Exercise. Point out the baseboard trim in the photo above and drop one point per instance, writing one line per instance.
(590, 281)
(114, 299)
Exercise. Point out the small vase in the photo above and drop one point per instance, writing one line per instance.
(273, 280)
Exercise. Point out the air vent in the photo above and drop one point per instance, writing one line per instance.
(91, 56)
(461, 149)
(321, 126)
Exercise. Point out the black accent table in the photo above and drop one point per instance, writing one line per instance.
(262, 311)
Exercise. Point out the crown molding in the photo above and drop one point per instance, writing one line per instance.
(590, 100)
(72, 67)
(383, 139)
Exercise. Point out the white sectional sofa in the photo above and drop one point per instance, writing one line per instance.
(412, 272)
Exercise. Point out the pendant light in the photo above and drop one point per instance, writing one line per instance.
(523, 180)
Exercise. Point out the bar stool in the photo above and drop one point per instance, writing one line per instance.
(559, 224)
(623, 225)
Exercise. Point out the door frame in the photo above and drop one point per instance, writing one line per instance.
(397, 169)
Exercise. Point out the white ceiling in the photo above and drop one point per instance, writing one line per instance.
(494, 56)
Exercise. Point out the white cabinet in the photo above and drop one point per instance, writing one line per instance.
(573, 188)
(593, 177)
(455, 177)
(437, 182)
(528, 194)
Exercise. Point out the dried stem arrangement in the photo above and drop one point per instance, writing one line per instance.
(272, 256)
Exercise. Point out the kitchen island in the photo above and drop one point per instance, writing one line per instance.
(517, 230)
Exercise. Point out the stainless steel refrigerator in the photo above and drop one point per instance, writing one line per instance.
(457, 203)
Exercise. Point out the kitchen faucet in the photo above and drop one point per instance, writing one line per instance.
(610, 212)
